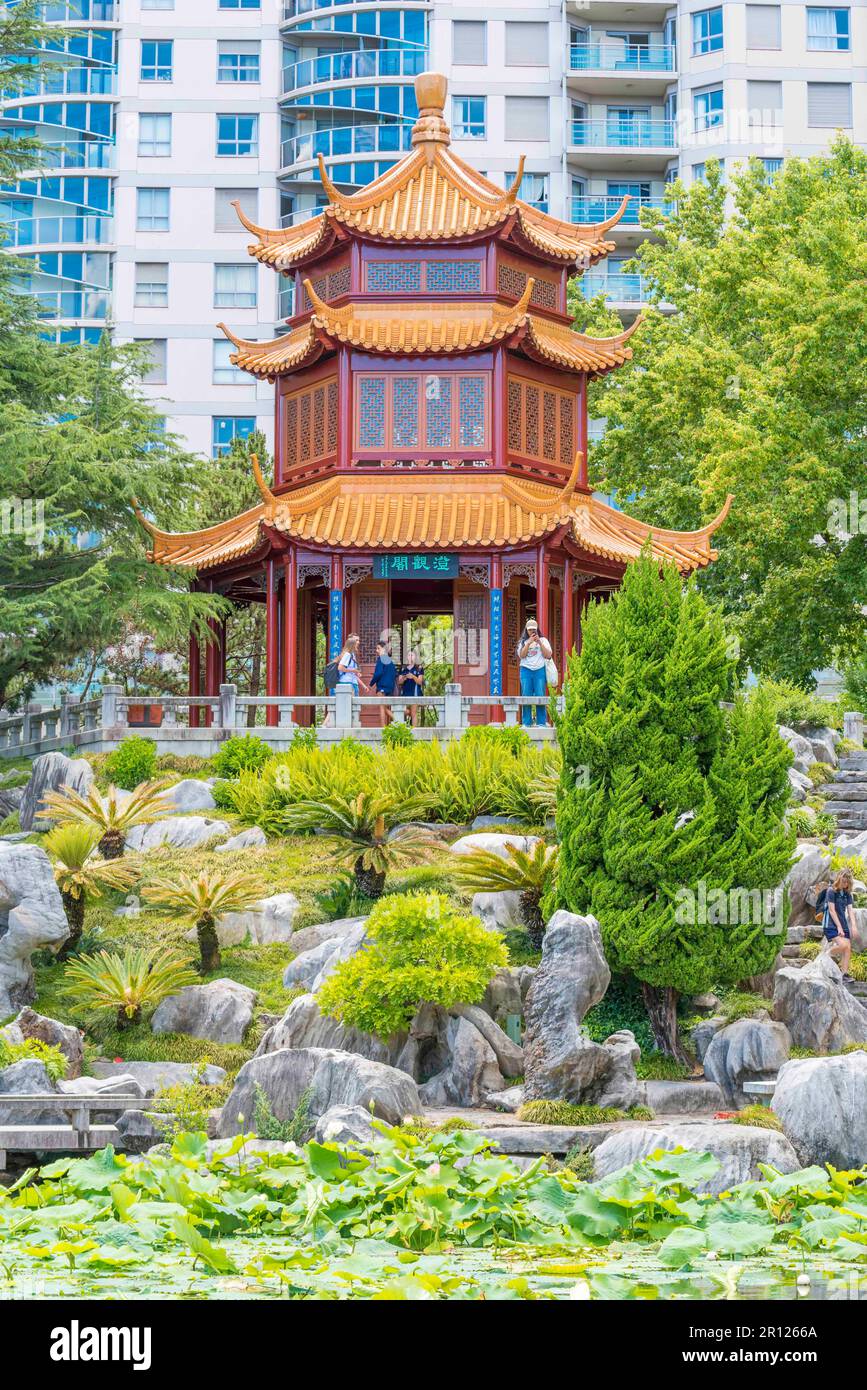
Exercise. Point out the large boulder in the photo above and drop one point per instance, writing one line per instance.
(122, 1085)
(181, 832)
(494, 844)
(345, 1124)
(823, 742)
(307, 937)
(30, 1024)
(750, 1049)
(510, 1057)
(344, 947)
(312, 968)
(507, 991)
(817, 1008)
(330, 1077)
(303, 1026)
(800, 785)
(221, 1010)
(560, 1062)
(49, 773)
(27, 1078)
(252, 838)
(190, 795)
(269, 920)
(499, 911)
(31, 917)
(811, 866)
(472, 1072)
(739, 1148)
(154, 1077)
(703, 1033)
(802, 749)
(821, 1103)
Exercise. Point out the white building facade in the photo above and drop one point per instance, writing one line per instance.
(216, 100)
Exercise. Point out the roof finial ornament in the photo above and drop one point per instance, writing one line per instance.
(329, 186)
(268, 497)
(514, 188)
(430, 129)
(142, 519)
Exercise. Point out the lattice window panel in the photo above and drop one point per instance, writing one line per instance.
(557, 629)
(471, 412)
(319, 422)
(310, 423)
(329, 286)
(394, 277)
(438, 399)
(513, 282)
(531, 419)
(291, 431)
(549, 424)
(567, 431)
(405, 412)
(371, 623)
(371, 415)
(332, 409)
(541, 422)
(513, 613)
(305, 443)
(471, 614)
(516, 432)
(454, 277)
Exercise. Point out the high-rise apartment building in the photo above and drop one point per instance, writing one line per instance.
(173, 109)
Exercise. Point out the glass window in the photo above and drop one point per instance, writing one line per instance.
(152, 284)
(237, 62)
(158, 4)
(237, 135)
(152, 210)
(240, 4)
(772, 167)
(225, 216)
(828, 30)
(225, 372)
(707, 107)
(155, 133)
(468, 118)
(235, 286)
(533, 190)
(156, 60)
(707, 30)
(225, 429)
(155, 372)
(469, 42)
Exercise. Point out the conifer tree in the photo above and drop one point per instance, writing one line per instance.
(668, 800)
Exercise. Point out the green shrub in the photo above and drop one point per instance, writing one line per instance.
(134, 761)
(304, 736)
(759, 1116)
(790, 705)
(561, 1112)
(54, 1061)
(421, 1128)
(187, 1104)
(736, 1005)
(820, 773)
(243, 753)
(622, 1007)
(853, 862)
(397, 736)
(420, 950)
(296, 1130)
(11, 824)
(342, 899)
(224, 795)
(513, 738)
(579, 1160)
(656, 1066)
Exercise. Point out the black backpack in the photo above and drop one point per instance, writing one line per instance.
(331, 674)
(821, 904)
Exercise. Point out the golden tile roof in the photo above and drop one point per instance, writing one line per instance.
(437, 511)
(430, 195)
(406, 328)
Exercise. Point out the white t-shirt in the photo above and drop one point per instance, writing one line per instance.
(535, 656)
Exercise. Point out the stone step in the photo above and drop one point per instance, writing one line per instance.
(852, 762)
(853, 775)
(791, 952)
(845, 791)
(691, 1097)
(846, 817)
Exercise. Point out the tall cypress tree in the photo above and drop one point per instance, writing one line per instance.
(670, 812)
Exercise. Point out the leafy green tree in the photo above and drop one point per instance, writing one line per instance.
(667, 800)
(756, 387)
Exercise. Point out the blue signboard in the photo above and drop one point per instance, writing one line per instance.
(496, 641)
(415, 566)
(335, 623)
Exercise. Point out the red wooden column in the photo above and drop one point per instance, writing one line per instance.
(542, 590)
(212, 665)
(290, 623)
(272, 640)
(224, 649)
(568, 614)
(583, 600)
(195, 678)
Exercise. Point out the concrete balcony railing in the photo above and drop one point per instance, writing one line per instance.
(345, 140)
(60, 231)
(627, 135)
(359, 64)
(599, 207)
(618, 57)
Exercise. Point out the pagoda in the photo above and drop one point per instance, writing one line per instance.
(430, 432)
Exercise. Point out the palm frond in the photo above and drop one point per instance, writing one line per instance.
(523, 871)
(115, 812)
(131, 980)
(205, 894)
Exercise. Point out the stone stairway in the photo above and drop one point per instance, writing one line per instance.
(847, 792)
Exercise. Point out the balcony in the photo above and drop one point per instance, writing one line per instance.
(345, 140)
(59, 231)
(297, 9)
(354, 64)
(624, 292)
(72, 82)
(78, 154)
(73, 11)
(599, 207)
(648, 144)
(72, 304)
(598, 68)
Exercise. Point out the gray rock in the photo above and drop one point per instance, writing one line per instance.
(509, 1100)
(705, 1003)
(270, 919)
(703, 1033)
(182, 832)
(504, 996)
(30, 1024)
(139, 1130)
(824, 744)
(683, 1097)
(191, 794)
(490, 822)
(853, 841)
(31, 917)
(304, 1026)
(802, 749)
(750, 1049)
(221, 1010)
(817, 1008)
(498, 911)
(510, 1057)
(821, 1103)
(123, 1085)
(252, 838)
(333, 1078)
(799, 784)
(345, 947)
(309, 937)
(472, 1072)
(494, 844)
(10, 800)
(154, 1077)
(560, 1062)
(49, 773)
(739, 1148)
(810, 867)
(27, 1078)
(345, 1124)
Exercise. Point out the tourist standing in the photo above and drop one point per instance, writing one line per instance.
(384, 679)
(411, 681)
(534, 652)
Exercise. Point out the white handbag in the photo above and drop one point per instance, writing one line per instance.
(552, 675)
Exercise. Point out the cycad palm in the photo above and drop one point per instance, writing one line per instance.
(525, 872)
(358, 836)
(80, 874)
(126, 982)
(111, 817)
(202, 899)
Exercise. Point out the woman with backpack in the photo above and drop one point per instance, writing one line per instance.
(345, 671)
(838, 923)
